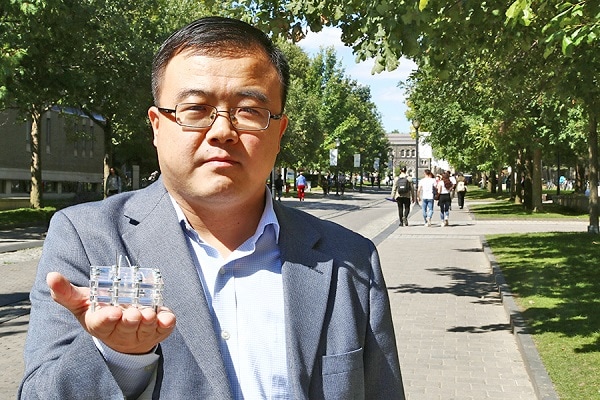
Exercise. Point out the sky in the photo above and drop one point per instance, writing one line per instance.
(390, 100)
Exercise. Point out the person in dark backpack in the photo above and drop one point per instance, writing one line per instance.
(402, 192)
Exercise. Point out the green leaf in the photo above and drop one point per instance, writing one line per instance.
(566, 45)
(382, 8)
(514, 10)
(423, 4)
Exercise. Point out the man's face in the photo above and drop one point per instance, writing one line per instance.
(217, 164)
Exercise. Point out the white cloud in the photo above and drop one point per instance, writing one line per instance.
(327, 37)
(390, 100)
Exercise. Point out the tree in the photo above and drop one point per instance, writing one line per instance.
(41, 50)
(574, 31)
(433, 31)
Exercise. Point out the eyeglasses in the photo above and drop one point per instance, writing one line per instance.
(194, 115)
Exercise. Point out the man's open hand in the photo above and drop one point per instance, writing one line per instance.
(131, 330)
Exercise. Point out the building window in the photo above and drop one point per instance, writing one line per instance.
(20, 186)
(50, 186)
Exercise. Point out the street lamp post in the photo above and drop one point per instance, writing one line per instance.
(416, 123)
(337, 167)
(379, 170)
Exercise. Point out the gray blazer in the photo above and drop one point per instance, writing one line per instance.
(339, 332)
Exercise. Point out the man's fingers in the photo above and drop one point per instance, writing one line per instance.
(73, 298)
(166, 320)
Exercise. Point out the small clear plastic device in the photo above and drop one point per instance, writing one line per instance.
(125, 285)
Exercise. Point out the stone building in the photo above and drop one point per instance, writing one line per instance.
(404, 153)
(72, 153)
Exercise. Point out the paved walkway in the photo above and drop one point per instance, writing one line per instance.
(453, 326)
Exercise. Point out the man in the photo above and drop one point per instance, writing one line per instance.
(278, 187)
(301, 185)
(402, 192)
(269, 302)
(425, 194)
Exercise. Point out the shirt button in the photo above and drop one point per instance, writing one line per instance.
(225, 335)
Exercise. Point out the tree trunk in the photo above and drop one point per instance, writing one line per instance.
(512, 182)
(580, 177)
(536, 172)
(492, 182)
(593, 154)
(35, 195)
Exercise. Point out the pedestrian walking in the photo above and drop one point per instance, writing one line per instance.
(444, 188)
(278, 187)
(461, 190)
(301, 185)
(403, 193)
(425, 195)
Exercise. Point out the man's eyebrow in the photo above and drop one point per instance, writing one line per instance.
(186, 93)
(254, 94)
(242, 94)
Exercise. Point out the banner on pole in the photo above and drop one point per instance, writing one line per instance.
(333, 157)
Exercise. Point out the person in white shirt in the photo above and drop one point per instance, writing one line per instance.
(425, 194)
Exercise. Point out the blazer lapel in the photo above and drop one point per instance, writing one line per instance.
(159, 242)
(306, 282)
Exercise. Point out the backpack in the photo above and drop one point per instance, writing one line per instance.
(402, 186)
(460, 186)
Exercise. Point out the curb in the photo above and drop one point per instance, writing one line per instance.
(542, 384)
(8, 247)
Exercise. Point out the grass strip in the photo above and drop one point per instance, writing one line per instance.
(556, 283)
(24, 217)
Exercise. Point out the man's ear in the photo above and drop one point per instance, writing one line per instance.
(283, 125)
(154, 116)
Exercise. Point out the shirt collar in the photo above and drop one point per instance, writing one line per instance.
(268, 217)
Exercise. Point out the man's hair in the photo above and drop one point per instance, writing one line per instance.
(403, 169)
(427, 172)
(222, 37)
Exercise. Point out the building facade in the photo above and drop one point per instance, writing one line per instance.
(71, 153)
(404, 153)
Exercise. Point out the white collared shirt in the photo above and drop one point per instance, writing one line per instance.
(245, 296)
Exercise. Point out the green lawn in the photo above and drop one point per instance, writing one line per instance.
(556, 280)
(498, 206)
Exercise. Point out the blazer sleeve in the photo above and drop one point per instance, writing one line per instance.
(383, 379)
(61, 359)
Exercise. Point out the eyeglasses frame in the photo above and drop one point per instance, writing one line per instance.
(173, 111)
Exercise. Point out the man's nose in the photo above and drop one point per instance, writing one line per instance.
(222, 128)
